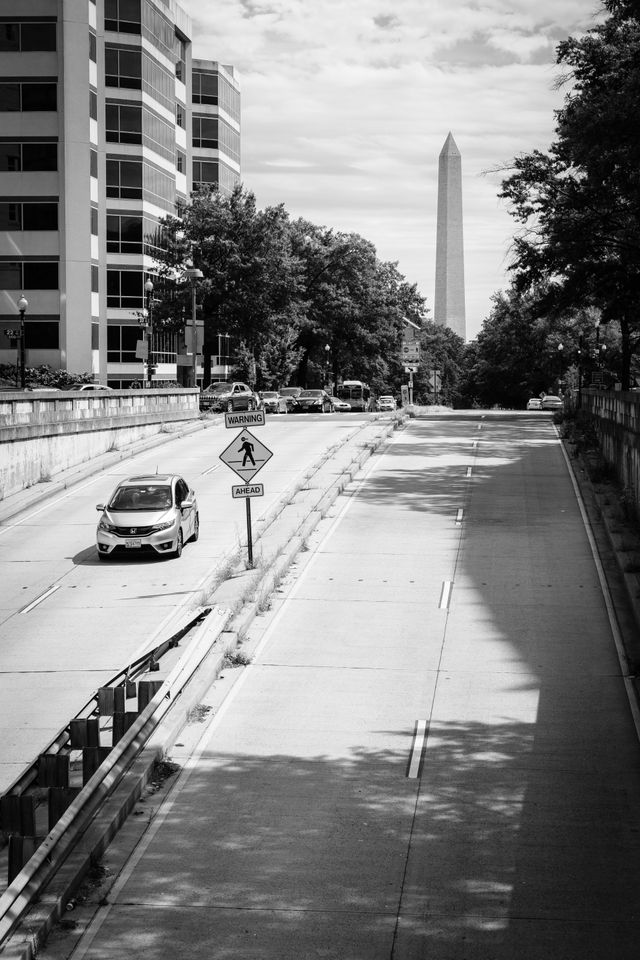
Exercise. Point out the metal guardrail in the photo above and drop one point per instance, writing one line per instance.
(56, 846)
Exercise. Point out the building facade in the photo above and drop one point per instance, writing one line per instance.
(100, 138)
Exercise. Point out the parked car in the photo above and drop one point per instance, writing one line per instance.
(552, 403)
(228, 396)
(90, 387)
(534, 404)
(272, 402)
(386, 403)
(290, 394)
(340, 406)
(153, 514)
(313, 401)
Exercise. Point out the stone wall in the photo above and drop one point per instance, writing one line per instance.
(42, 434)
(616, 418)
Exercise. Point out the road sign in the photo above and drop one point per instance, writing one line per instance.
(239, 490)
(411, 350)
(248, 418)
(246, 455)
(411, 368)
(142, 349)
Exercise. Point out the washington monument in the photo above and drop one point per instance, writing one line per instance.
(449, 296)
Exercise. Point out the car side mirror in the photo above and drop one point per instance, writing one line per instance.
(186, 504)
(99, 506)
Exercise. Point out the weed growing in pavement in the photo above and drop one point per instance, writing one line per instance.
(199, 713)
(237, 659)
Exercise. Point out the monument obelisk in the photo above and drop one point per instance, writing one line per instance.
(449, 309)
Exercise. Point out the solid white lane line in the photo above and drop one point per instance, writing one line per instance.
(445, 594)
(417, 750)
(459, 515)
(212, 469)
(34, 603)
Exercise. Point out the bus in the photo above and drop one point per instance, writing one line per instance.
(356, 393)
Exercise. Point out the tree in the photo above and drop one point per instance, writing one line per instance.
(579, 203)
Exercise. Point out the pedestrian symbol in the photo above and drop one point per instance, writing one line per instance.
(246, 455)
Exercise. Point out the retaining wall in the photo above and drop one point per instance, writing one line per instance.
(616, 418)
(44, 433)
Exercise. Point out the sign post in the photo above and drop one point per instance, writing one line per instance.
(246, 455)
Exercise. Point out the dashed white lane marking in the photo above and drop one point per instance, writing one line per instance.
(43, 596)
(445, 594)
(459, 515)
(417, 749)
(469, 471)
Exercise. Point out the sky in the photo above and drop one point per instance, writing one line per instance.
(346, 105)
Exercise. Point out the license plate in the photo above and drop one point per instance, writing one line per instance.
(133, 543)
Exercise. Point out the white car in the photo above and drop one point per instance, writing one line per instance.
(386, 403)
(90, 387)
(153, 514)
(340, 405)
(534, 404)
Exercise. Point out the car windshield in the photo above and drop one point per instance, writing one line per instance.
(311, 393)
(289, 391)
(268, 395)
(218, 388)
(555, 399)
(142, 497)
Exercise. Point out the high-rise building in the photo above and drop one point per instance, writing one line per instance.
(449, 302)
(105, 124)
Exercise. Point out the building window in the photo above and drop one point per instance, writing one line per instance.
(121, 343)
(181, 65)
(181, 161)
(122, 16)
(95, 278)
(28, 157)
(15, 97)
(180, 120)
(42, 334)
(28, 216)
(94, 221)
(95, 336)
(29, 275)
(27, 36)
(93, 163)
(125, 289)
(124, 234)
(124, 179)
(204, 88)
(205, 172)
(93, 48)
(123, 123)
(93, 105)
(123, 67)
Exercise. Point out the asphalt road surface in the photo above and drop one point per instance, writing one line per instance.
(432, 753)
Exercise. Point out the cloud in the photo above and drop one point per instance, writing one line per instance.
(345, 108)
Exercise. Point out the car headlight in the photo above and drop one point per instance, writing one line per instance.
(161, 526)
(105, 525)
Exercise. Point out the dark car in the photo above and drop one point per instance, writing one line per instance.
(313, 401)
(228, 396)
(290, 394)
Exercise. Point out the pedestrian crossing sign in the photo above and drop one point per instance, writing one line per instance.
(246, 455)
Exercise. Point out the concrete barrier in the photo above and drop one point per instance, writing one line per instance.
(42, 434)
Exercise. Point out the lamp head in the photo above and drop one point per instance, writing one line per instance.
(23, 303)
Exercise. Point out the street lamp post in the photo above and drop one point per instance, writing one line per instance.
(327, 351)
(148, 290)
(560, 349)
(193, 275)
(23, 303)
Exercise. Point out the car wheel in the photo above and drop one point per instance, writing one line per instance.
(252, 405)
(179, 544)
(196, 528)
(229, 406)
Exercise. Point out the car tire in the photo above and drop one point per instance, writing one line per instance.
(196, 528)
(252, 405)
(177, 553)
(229, 406)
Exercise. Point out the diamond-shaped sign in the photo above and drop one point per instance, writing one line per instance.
(246, 455)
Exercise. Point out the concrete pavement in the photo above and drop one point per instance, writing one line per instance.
(452, 593)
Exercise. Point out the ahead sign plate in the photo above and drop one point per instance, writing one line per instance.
(239, 490)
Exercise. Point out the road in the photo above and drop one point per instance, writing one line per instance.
(69, 623)
(432, 753)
